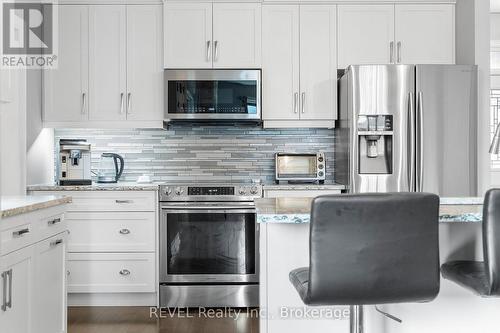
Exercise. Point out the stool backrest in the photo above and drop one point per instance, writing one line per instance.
(374, 248)
(491, 239)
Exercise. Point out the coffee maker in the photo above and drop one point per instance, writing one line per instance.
(73, 166)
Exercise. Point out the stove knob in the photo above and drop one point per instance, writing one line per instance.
(167, 191)
(242, 191)
(254, 190)
(178, 190)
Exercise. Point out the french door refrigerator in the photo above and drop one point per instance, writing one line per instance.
(407, 128)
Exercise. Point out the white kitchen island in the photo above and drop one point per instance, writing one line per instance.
(284, 245)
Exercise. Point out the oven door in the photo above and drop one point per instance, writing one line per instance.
(224, 94)
(208, 243)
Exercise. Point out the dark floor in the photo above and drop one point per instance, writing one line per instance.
(138, 320)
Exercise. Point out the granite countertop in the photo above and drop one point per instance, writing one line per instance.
(121, 186)
(15, 205)
(297, 210)
(304, 186)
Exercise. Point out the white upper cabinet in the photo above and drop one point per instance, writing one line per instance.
(66, 87)
(280, 62)
(318, 62)
(107, 76)
(425, 34)
(144, 63)
(206, 35)
(365, 34)
(236, 35)
(188, 35)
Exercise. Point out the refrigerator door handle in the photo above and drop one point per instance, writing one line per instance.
(411, 142)
(420, 142)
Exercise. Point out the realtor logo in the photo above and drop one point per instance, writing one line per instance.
(28, 35)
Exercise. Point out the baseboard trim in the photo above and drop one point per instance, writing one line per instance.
(115, 299)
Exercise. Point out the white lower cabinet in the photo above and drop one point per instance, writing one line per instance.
(298, 193)
(33, 276)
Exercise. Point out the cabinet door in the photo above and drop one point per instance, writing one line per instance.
(318, 62)
(237, 35)
(144, 62)
(18, 316)
(366, 34)
(50, 285)
(188, 35)
(280, 62)
(66, 87)
(426, 33)
(107, 62)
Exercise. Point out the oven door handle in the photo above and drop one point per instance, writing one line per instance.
(207, 209)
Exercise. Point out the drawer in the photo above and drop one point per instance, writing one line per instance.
(298, 193)
(111, 272)
(50, 225)
(17, 235)
(103, 201)
(111, 231)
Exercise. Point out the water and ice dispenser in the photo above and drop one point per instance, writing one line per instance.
(375, 140)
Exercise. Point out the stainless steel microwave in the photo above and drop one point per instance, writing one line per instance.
(300, 167)
(212, 95)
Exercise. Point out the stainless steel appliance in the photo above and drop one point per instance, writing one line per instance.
(109, 172)
(73, 164)
(212, 95)
(300, 167)
(209, 246)
(408, 128)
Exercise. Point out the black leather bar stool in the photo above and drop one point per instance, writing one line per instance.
(371, 249)
(482, 277)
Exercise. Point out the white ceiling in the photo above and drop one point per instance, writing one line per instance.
(495, 5)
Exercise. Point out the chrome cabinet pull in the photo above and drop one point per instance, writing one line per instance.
(124, 231)
(4, 290)
(391, 52)
(56, 242)
(121, 103)
(295, 102)
(9, 302)
(84, 103)
(399, 52)
(208, 50)
(124, 201)
(124, 272)
(54, 221)
(216, 50)
(21, 232)
(129, 97)
(303, 102)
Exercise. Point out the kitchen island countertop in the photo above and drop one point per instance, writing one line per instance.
(15, 205)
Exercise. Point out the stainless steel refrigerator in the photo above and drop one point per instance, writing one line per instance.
(408, 128)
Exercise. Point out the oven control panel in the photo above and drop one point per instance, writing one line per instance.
(209, 192)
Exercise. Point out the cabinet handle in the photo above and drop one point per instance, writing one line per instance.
(124, 272)
(4, 289)
(124, 231)
(295, 102)
(54, 221)
(124, 201)
(216, 50)
(399, 52)
(208, 50)
(84, 103)
(21, 232)
(303, 102)
(129, 97)
(121, 103)
(9, 303)
(391, 52)
(56, 242)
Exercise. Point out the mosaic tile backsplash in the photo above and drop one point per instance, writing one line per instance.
(203, 153)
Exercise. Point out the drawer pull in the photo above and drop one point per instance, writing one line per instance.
(4, 290)
(124, 231)
(54, 221)
(124, 201)
(56, 242)
(21, 232)
(124, 272)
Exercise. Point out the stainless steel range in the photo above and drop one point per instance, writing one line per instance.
(209, 245)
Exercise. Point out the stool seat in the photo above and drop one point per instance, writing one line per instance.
(299, 278)
(471, 275)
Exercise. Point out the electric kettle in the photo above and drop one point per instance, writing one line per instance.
(108, 168)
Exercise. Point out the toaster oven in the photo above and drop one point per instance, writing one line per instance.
(300, 167)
